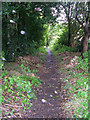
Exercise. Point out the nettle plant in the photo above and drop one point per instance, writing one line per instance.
(20, 88)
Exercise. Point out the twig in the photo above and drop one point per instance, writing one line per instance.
(13, 105)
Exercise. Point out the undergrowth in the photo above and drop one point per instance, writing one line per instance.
(19, 89)
(42, 52)
(63, 48)
(77, 85)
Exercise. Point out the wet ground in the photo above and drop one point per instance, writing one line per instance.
(50, 98)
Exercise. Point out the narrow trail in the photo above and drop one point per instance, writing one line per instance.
(49, 96)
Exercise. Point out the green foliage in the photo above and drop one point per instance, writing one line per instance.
(63, 37)
(53, 35)
(2, 64)
(0, 97)
(58, 37)
(59, 41)
(38, 23)
(20, 87)
(59, 48)
(25, 18)
(79, 87)
(1, 58)
(43, 50)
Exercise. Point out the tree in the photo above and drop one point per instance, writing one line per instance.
(68, 10)
(18, 18)
(82, 17)
(23, 26)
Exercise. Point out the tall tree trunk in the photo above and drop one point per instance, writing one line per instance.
(86, 36)
(69, 31)
(85, 43)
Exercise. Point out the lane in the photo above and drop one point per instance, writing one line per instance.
(49, 99)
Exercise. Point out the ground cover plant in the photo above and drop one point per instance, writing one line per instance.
(18, 89)
(76, 85)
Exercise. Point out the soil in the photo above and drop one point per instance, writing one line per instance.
(50, 98)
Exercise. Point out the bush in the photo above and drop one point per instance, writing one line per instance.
(43, 50)
(63, 48)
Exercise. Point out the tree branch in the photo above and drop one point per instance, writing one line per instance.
(77, 18)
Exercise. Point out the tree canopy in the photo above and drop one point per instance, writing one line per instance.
(25, 25)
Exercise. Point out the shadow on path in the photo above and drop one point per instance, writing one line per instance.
(49, 98)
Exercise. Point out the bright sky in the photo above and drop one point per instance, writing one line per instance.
(62, 18)
(62, 15)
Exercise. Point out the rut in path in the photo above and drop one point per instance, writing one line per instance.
(49, 97)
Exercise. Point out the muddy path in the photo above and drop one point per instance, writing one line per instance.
(49, 95)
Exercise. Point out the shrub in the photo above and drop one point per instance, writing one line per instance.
(63, 48)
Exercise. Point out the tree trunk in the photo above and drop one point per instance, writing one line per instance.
(69, 27)
(69, 33)
(85, 43)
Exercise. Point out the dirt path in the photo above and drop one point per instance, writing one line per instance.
(50, 97)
